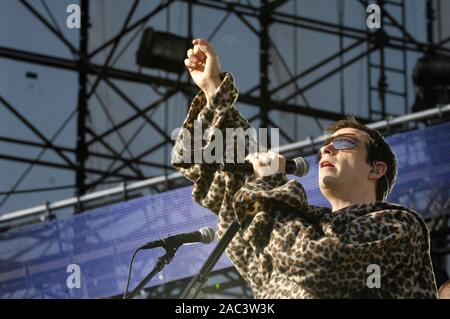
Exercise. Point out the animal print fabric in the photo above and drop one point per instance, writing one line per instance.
(294, 250)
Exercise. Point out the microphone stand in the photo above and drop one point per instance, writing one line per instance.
(196, 283)
(160, 264)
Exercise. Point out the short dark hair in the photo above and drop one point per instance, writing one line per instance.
(377, 150)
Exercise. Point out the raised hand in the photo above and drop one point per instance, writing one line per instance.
(204, 66)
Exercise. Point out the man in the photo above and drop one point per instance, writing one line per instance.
(361, 248)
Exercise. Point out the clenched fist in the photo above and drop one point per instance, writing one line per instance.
(204, 66)
(267, 163)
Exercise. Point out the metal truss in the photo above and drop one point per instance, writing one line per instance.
(267, 14)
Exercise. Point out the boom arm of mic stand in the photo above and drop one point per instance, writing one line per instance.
(197, 282)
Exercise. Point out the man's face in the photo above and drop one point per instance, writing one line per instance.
(349, 170)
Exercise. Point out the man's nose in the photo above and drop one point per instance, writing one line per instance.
(327, 149)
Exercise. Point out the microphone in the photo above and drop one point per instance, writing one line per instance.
(203, 235)
(297, 166)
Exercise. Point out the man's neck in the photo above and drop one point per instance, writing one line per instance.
(340, 202)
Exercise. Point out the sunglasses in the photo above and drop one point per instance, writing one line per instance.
(339, 143)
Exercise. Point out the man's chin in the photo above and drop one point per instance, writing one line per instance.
(328, 182)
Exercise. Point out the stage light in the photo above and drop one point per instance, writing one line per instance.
(431, 77)
(162, 50)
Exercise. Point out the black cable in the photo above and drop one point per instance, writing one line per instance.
(129, 273)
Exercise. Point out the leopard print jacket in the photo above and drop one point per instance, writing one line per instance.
(294, 250)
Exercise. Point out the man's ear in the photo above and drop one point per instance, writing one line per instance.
(378, 170)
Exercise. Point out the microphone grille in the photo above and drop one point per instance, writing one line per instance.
(302, 166)
(208, 235)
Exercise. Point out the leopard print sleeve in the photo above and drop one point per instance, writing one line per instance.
(260, 200)
(210, 185)
(215, 189)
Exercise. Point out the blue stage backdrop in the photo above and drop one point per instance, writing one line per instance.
(34, 259)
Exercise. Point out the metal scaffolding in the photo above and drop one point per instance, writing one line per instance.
(267, 15)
